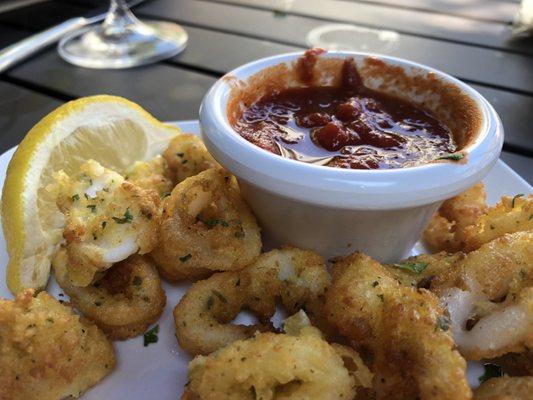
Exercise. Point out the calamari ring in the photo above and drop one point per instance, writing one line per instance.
(273, 366)
(204, 314)
(489, 295)
(405, 331)
(206, 226)
(505, 388)
(446, 229)
(187, 156)
(124, 302)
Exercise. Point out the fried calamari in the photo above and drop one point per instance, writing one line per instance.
(505, 388)
(489, 296)
(203, 316)
(446, 229)
(187, 156)
(47, 352)
(124, 302)
(278, 366)
(405, 330)
(107, 220)
(206, 226)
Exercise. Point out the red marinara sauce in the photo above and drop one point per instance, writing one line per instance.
(357, 126)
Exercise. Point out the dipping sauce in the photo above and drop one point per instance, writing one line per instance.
(346, 126)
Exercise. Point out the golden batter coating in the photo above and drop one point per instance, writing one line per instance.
(446, 229)
(206, 226)
(204, 315)
(187, 156)
(107, 220)
(278, 366)
(405, 330)
(505, 388)
(124, 302)
(489, 295)
(47, 352)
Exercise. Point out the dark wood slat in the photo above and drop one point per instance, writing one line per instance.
(446, 27)
(9, 36)
(481, 65)
(20, 109)
(41, 16)
(488, 10)
(168, 92)
(523, 166)
(216, 50)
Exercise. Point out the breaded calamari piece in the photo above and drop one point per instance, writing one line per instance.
(505, 388)
(278, 366)
(124, 302)
(205, 313)
(446, 229)
(206, 226)
(153, 174)
(511, 214)
(108, 219)
(187, 156)
(47, 352)
(405, 330)
(489, 295)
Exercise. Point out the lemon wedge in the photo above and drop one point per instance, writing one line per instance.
(111, 130)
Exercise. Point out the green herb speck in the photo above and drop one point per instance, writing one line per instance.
(453, 156)
(76, 197)
(416, 267)
(150, 336)
(126, 219)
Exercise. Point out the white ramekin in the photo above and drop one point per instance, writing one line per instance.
(337, 211)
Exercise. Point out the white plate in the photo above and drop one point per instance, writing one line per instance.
(159, 371)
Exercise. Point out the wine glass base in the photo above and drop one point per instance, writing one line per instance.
(137, 44)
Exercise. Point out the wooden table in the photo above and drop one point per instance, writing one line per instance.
(469, 39)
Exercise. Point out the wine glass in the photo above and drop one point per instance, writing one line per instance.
(122, 41)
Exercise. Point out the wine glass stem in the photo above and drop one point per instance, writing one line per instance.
(118, 18)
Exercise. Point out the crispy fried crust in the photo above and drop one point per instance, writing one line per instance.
(445, 231)
(511, 214)
(489, 295)
(47, 352)
(276, 366)
(203, 316)
(505, 388)
(107, 219)
(405, 330)
(206, 226)
(124, 302)
(187, 156)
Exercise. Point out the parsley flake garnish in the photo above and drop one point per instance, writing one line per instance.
(186, 257)
(76, 197)
(453, 157)
(92, 207)
(150, 336)
(491, 371)
(516, 197)
(443, 323)
(212, 222)
(416, 267)
(126, 219)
